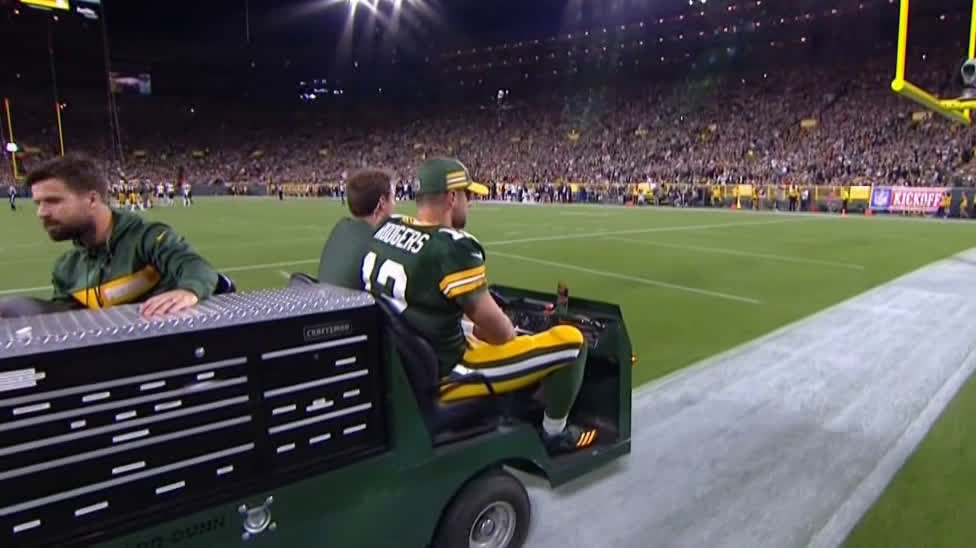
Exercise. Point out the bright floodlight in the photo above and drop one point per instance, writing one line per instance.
(374, 4)
(12, 147)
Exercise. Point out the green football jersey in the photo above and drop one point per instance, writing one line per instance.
(427, 273)
(342, 255)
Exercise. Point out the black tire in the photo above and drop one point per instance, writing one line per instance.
(493, 491)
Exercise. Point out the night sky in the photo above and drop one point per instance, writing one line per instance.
(289, 40)
(296, 22)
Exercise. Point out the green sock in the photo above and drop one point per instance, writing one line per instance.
(560, 388)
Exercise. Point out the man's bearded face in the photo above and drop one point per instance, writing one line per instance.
(64, 214)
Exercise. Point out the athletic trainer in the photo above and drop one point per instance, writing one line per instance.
(118, 257)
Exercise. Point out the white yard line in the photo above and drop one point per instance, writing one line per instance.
(584, 214)
(25, 245)
(661, 384)
(320, 233)
(230, 269)
(202, 247)
(645, 281)
(665, 210)
(718, 250)
(266, 266)
(586, 235)
(677, 228)
(45, 260)
(25, 290)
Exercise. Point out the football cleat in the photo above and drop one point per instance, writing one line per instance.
(572, 438)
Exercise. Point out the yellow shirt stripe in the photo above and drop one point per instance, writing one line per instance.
(121, 290)
(451, 286)
(470, 287)
(413, 221)
(457, 276)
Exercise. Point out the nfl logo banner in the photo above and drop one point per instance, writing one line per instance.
(881, 198)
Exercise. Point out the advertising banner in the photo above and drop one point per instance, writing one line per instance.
(880, 198)
(860, 193)
(914, 198)
(906, 198)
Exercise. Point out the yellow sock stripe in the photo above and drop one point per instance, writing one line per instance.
(451, 278)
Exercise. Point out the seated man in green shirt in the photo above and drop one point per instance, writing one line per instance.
(371, 201)
(118, 257)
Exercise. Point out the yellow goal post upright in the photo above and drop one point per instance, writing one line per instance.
(953, 109)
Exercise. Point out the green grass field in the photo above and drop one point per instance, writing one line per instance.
(691, 284)
(931, 502)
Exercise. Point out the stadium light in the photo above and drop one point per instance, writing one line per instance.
(373, 5)
(47, 4)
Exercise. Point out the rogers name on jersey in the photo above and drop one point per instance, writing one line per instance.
(402, 237)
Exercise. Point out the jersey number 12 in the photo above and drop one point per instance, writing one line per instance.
(389, 270)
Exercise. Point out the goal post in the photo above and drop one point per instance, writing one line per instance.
(958, 110)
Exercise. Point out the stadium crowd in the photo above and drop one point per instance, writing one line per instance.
(718, 127)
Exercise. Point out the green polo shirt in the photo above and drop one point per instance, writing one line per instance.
(342, 256)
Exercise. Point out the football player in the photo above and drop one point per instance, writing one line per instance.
(187, 194)
(432, 272)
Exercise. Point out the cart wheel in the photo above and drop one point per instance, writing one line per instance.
(492, 511)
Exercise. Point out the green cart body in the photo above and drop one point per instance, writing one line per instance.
(380, 469)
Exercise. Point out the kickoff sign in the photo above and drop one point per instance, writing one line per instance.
(907, 198)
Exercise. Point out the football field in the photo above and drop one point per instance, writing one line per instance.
(691, 283)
